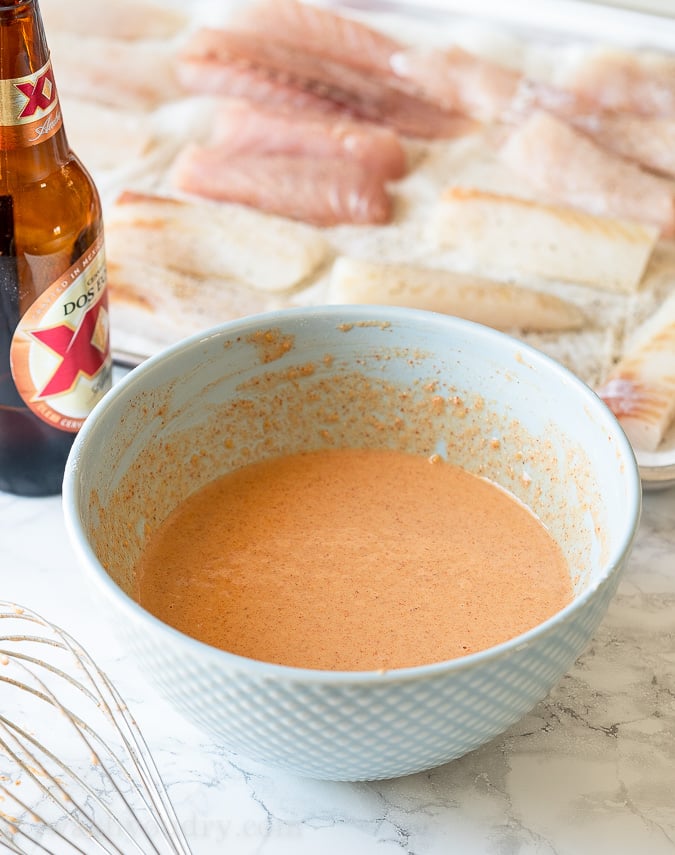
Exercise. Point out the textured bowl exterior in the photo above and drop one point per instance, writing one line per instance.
(362, 725)
(383, 726)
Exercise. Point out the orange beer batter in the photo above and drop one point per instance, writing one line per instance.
(352, 560)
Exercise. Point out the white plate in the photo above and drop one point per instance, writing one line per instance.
(657, 468)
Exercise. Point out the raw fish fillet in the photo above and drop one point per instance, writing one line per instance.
(241, 80)
(368, 96)
(569, 167)
(619, 81)
(647, 140)
(323, 192)
(301, 25)
(640, 390)
(242, 128)
(462, 82)
(458, 81)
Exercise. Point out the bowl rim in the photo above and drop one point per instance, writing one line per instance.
(346, 314)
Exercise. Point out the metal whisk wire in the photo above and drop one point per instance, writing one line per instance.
(110, 797)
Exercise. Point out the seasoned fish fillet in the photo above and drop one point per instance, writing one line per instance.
(153, 306)
(323, 192)
(497, 304)
(557, 242)
(207, 240)
(640, 390)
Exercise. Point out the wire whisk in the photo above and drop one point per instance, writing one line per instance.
(76, 775)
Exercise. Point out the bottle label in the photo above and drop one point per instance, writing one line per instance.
(60, 351)
(29, 109)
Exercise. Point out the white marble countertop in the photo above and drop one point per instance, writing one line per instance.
(591, 768)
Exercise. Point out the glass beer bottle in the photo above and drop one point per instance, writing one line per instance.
(54, 339)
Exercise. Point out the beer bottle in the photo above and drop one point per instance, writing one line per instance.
(55, 359)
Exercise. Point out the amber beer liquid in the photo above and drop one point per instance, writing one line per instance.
(55, 359)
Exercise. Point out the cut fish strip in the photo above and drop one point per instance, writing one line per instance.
(571, 168)
(458, 81)
(242, 128)
(336, 36)
(372, 97)
(153, 306)
(497, 304)
(323, 192)
(558, 243)
(202, 239)
(240, 80)
(640, 390)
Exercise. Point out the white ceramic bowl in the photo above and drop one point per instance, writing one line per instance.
(273, 384)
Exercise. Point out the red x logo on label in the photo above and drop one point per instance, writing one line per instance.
(40, 94)
(79, 355)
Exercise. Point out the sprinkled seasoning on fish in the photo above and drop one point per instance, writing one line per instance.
(554, 241)
(501, 305)
(208, 240)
